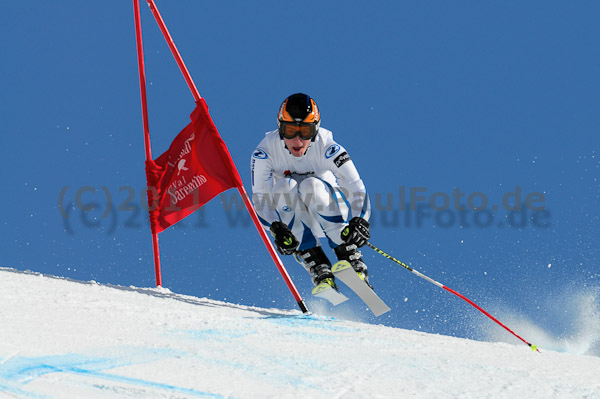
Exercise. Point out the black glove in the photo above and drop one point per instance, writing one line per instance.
(285, 242)
(357, 232)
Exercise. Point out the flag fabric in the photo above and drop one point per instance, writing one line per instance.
(196, 167)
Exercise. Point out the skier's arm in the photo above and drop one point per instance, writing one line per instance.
(262, 187)
(352, 185)
(358, 197)
(357, 230)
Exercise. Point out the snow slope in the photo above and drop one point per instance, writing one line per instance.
(67, 339)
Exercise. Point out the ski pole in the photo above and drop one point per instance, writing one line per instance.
(470, 302)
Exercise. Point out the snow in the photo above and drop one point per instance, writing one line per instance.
(61, 338)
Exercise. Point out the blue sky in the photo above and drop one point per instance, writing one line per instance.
(431, 96)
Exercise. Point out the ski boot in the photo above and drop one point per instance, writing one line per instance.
(350, 253)
(316, 263)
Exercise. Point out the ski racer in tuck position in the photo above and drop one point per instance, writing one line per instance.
(306, 187)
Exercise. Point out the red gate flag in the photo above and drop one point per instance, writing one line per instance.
(190, 173)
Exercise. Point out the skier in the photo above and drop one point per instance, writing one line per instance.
(306, 187)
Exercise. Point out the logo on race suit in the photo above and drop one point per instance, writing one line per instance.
(287, 173)
(341, 159)
(332, 150)
(259, 154)
(287, 208)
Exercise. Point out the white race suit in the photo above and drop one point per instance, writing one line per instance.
(315, 195)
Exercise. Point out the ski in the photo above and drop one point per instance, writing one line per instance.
(326, 291)
(344, 272)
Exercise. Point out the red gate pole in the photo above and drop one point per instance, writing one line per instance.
(271, 249)
(241, 189)
(142, 72)
(174, 51)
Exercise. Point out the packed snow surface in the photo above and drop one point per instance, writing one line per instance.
(61, 338)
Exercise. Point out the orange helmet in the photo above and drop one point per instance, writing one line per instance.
(298, 115)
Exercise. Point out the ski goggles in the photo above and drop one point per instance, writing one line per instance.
(306, 131)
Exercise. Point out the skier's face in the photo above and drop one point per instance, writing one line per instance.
(297, 146)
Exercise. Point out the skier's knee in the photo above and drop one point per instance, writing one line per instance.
(315, 193)
(286, 186)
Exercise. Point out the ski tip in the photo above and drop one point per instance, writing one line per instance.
(379, 312)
